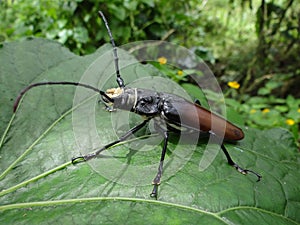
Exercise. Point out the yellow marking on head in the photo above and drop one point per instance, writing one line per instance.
(114, 92)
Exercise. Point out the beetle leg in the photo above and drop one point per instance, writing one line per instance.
(236, 166)
(197, 101)
(122, 138)
(156, 180)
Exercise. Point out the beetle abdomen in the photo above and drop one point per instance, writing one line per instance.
(181, 112)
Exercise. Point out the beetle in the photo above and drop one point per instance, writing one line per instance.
(170, 113)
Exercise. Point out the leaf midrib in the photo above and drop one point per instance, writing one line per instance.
(217, 215)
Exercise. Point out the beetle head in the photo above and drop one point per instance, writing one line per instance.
(120, 98)
(111, 93)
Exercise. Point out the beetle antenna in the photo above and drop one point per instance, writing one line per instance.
(58, 83)
(120, 81)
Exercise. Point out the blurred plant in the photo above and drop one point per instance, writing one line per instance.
(272, 49)
(266, 110)
(76, 24)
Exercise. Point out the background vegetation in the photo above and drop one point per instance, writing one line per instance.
(252, 46)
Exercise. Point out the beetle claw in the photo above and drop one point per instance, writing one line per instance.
(245, 172)
(78, 159)
(154, 191)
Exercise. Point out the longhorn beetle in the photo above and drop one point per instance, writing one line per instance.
(170, 113)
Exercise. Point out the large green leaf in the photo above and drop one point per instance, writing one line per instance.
(39, 184)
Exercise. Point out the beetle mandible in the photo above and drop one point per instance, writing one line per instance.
(171, 114)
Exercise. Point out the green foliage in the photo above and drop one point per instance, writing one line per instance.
(257, 40)
(76, 23)
(39, 185)
(266, 110)
(176, 74)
